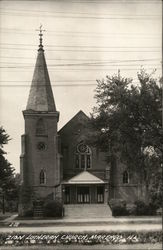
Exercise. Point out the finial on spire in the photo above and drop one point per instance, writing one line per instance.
(40, 35)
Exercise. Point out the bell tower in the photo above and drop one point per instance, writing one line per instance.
(39, 166)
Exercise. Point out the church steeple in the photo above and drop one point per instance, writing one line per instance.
(40, 160)
(41, 95)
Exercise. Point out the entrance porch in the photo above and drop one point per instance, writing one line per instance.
(83, 194)
(84, 188)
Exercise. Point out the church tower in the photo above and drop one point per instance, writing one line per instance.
(39, 164)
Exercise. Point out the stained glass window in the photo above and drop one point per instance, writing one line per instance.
(83, 156)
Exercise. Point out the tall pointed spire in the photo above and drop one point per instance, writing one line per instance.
(41, 95)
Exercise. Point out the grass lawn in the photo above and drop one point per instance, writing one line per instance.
(157, 246)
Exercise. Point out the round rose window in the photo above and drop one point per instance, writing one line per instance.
(82, 148)
(41, 146)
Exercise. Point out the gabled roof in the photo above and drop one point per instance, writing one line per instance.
(85, 177)
(79, 116)
(41, 95)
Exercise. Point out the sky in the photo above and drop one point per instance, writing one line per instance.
(84, 40)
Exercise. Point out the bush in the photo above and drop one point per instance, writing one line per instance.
(53, 209)
(157, 200)
(117, 202)
(145, 209)
(131, 208)
(119, 210)
(118, 207)
(10, 206)
(141, 208)
(28, 213)
(151, 209)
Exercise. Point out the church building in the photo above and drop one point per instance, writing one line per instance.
(60, 164)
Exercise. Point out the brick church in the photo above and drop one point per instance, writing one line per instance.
(60, 164)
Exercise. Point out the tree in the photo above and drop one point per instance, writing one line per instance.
(9, 181)
(6, 170)
(12, 193)
(127, 121)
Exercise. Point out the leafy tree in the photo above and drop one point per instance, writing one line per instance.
(127, 121)
(6, 170)
(9, 182)
(12, 193)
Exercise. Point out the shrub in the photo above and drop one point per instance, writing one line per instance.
(10, 206)
(119, 210)
(156, 200)
(118, 207)
(159, 211)
(145, 209)
(141, 207)
(28, 213)
(131, 208)
(152, 208)
(117, 202)
(53, 209)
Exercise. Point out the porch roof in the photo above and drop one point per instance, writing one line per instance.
(84, 178)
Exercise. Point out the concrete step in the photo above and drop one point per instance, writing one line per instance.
(87, 211)
(38, 212)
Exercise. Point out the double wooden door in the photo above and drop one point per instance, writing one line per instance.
(83, 194)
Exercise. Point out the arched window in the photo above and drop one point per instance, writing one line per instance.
(125, 177)
(40, 127)
(42, 177)
(83, 157)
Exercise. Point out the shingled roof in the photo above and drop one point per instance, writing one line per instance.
(41, 95)
(84, 177)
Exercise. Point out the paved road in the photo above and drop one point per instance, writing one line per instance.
(156, 246)
(84, 228)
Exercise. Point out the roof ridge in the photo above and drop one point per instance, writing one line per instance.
(79, 112)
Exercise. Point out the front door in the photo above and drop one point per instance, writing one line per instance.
(100, 194)
(83, 195)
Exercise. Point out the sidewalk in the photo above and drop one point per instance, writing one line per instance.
(82, 225)
(109, 220)
(81, 228)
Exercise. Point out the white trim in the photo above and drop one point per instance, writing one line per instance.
(85, 177)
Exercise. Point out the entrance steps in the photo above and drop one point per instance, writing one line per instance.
(38, 212)
(87, 211)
